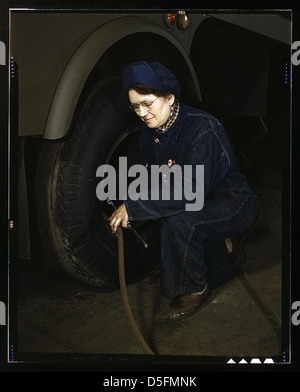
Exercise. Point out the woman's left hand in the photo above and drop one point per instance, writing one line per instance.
(119, 217)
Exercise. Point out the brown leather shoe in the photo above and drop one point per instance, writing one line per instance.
(186, 305)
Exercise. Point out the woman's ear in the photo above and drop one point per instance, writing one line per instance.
(171, 99)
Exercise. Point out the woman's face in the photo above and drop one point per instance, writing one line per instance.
(155, 110)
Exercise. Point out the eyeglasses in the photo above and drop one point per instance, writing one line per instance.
(146, 105)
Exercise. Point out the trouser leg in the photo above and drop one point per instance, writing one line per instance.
(193, 250)
(182, 254)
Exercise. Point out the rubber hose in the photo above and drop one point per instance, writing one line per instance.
(272, 316)
(123, 288)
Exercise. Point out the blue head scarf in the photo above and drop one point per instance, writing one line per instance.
(151, 74)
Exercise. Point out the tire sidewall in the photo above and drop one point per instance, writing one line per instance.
(87, 249)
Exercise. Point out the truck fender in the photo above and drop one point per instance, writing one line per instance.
(84, 59)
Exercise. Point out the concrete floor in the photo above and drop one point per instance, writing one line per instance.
(242, 319)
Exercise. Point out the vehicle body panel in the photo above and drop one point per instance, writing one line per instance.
(56, 52)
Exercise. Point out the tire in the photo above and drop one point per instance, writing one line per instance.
(72, 220)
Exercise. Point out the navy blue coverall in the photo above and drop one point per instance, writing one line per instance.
(193, 250)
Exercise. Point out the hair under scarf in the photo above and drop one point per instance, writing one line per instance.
(151, 74)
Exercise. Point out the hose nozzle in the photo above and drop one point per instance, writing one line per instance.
(110, 202)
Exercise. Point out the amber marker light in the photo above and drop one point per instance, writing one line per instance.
(183, 20)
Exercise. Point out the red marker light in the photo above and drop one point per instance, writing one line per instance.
(170, 19)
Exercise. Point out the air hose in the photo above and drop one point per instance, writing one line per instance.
(273, 318)
(123, 288)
